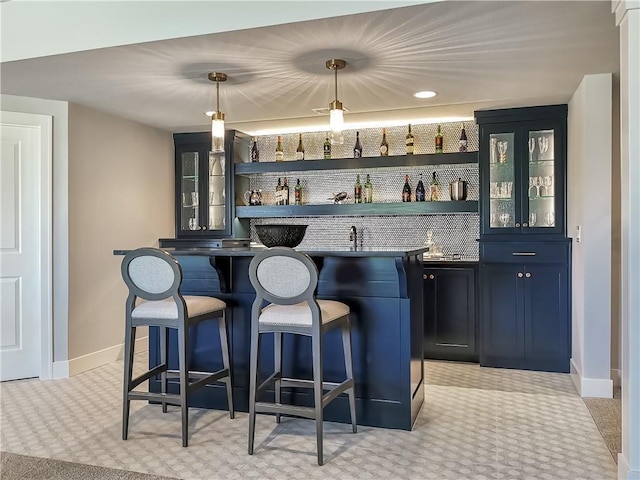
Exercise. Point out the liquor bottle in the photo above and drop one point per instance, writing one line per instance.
(255, 154)
(420, 191)
(327, 148)
(300, 149)
(357, 191)
(298, 193)
(409, 144)
(384, 146)
(406, 190)
(279, 152)
(357, 149)
(285, 192)
(439, 140)
(434, 189)
(463, 140)
(368, 190)
(279, 193)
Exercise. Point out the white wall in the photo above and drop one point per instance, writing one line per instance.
(121, 196)
(589, 207)
(60, 113)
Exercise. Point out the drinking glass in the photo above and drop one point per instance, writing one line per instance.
(532, 186)
(532, 147)
(193, 223)
(532, 219)
(492, 150)
(502, 150)
(550, 219)
(547, 181)
(543, 145)
(504, 218)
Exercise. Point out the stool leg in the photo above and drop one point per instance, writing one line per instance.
(277, 361)
(163, 333)
(253, 379)
(348, 365)
(317, 390)
(183, 348)
(224, 343)
(129, 340)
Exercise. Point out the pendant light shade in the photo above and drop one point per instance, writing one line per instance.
(336, 112)
(217, 118)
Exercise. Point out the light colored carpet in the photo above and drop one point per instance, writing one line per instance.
(607, 415)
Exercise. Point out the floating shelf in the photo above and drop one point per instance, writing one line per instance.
(352, 163)
(360, 209)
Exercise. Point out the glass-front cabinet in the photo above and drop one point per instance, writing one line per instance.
(522, 175)
(203, 186)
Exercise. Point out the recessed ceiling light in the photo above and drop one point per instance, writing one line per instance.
(425, 94)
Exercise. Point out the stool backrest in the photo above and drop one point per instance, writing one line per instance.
(283, 276)
(151, 273)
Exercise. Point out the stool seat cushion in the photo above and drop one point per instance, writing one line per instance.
(167, 308)
(299, 314)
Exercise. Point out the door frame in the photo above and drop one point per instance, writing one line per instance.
(44, 124)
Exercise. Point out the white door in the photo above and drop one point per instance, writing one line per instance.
(22, 299)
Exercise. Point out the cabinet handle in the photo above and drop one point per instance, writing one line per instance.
(528, 275)
(525, 224)
(523, 254)
(517, 225)
(432, 276)
(424, 276)
(519, 274)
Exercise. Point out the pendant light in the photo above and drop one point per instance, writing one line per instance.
(217, 117)
(336, 113)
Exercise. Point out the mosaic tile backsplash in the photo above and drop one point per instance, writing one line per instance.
(456, 233)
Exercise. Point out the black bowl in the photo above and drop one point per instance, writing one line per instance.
(275, 235)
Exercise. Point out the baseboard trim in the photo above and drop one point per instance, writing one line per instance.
(624, 472)
(60, 370)
(101, 357)
(591, 387)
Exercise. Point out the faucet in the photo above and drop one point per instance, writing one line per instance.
(353, 236)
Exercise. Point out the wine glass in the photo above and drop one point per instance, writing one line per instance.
(504, 218)
(550, 219)
(532, 219)
(532, 186)
(492, 150)
(537, 182)
(543, 145)
(502, 150)
(532, 147)
(547, 181)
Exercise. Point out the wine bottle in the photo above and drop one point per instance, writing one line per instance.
(439, 140)
(368, 190)
(255, 154)
(420, 191)
(406, 190)
(357, 191)
(434, 189)
(409, 144)
(279, 152)
(327, 148)
(300, 149)
(384, 146)
(285, 192)
(298, 193)
(463, 140)
(279, 193)
(357, 149)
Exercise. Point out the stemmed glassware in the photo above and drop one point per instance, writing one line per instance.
(502, 150)
(532, 219)
(504, 218)
(532, 147)
(492, 150)
(543, 146)
(550, 219)
(547, 181)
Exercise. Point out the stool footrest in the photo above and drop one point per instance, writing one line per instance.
(147, 375)
(170, 398)
(306, 412)
(337, 390)
(208, 378)
(272, 378)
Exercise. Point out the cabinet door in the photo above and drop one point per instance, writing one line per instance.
(543, 175)
(502, 313)
(450, 314)
(500, 167)
(190, 170)
(546, 319)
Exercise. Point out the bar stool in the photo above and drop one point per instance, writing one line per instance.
(155, 276)
(288, 279)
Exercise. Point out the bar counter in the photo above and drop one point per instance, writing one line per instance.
(383, 288)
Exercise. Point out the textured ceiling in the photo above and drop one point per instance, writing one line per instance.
(474, 54)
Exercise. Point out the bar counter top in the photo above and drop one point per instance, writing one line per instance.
(311, 251)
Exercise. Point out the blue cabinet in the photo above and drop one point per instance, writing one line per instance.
(525, 260)
(450, 312)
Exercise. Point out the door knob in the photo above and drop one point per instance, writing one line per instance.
(424, 276)
(519, 274)
(528, 275)
(517, 225)
(525, 224)
(431, 277)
